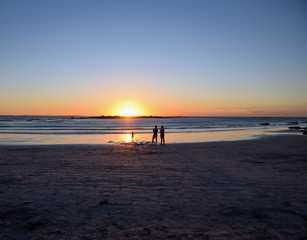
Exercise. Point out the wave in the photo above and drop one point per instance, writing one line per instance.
(95, 132)
(67, 125)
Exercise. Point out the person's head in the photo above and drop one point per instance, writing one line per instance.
(161, 126)
(156, 126)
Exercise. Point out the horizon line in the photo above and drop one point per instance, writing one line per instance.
(140, 116)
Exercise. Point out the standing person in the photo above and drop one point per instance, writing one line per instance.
(132, 136)
(155, 134)
(162, 135)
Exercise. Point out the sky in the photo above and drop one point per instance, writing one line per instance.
(157, 57)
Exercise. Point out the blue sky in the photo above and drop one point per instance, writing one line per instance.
(207, 57)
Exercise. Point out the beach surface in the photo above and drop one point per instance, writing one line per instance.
(251, 189)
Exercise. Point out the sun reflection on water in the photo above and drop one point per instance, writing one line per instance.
(126, 138)
(40, 139)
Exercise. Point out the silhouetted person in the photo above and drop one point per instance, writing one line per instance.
(132, 135)
(155, 135)
(162, 135)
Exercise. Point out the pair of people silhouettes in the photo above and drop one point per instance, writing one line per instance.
(155, 135)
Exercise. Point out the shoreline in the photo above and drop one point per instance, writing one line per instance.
(247, 189)
(142, 138)
(255, 138)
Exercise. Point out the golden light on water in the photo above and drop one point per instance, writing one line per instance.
(128, 138)
(125, 138)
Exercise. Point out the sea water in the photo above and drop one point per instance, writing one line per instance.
(25, 130)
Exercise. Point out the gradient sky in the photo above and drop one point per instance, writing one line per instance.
(164, 57)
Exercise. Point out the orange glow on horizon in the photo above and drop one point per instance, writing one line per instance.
(127, 109)
(140, 102)
(127, 112)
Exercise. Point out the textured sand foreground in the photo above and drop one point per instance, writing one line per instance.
(254, 189)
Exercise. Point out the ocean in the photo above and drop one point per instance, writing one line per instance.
(25, 130)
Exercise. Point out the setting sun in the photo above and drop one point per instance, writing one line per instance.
(127, 112)
(127, 109)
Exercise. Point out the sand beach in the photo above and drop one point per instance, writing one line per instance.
(251, 189)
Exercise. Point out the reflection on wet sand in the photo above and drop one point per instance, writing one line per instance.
(139, 138)
(126, 138)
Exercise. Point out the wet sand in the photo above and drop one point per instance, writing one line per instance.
(253, 189)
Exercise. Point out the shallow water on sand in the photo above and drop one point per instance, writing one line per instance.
(37, 139)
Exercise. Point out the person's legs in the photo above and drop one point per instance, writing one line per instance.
(162, 139)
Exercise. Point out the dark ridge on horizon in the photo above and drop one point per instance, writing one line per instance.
(124, 117)
(150, 116)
